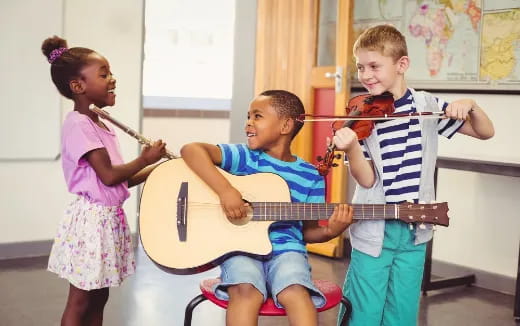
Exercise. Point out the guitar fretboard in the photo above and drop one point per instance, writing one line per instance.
(282, 211)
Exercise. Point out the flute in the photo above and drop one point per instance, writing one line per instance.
(140, 138)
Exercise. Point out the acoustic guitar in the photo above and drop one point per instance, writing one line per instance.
(184, 229)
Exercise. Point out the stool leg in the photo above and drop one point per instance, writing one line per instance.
(189, 308)
(348, 311)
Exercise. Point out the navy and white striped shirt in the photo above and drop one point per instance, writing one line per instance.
(305, 185)
(401, 149)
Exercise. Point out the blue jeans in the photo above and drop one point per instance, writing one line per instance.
(270, 277)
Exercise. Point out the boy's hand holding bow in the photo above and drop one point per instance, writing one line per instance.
(460, 109)
(477, 123)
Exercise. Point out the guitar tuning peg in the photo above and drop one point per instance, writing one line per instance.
(422, 226)
(434, 227)
(410, 226)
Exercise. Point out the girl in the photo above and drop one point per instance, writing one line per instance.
(93, 248)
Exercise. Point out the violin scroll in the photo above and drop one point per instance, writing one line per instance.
(327, 161)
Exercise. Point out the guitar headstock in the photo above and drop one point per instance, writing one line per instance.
(436, 213)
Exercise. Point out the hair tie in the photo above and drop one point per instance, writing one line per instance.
(56, 53)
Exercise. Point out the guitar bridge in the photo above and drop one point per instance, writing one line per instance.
(182, 212)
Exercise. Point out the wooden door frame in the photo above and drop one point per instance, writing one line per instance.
(344, 34)
(344, 42)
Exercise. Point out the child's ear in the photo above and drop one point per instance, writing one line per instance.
(402, 64)
(77, 86)
(287, 126)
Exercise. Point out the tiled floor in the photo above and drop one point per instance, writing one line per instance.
(29, 295)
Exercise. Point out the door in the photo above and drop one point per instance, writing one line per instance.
(292, 53)
(330, 91)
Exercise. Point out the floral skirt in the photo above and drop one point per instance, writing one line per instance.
(93, 246)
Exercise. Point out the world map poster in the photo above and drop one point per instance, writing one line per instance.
(453, 44)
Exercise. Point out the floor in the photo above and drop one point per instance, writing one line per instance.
(32, 296)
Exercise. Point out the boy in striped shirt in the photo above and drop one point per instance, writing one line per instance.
(393, 165)
(286, 275)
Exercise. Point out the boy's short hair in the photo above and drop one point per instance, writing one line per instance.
(385, 39)
(287, 105)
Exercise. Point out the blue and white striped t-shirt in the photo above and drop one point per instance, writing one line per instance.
(401, 149)
(305, 185)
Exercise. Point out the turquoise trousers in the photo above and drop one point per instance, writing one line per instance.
(385, 290)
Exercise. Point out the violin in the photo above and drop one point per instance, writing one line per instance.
(367, 106)
(363, 108)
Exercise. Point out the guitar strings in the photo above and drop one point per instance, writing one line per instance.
(273, 212)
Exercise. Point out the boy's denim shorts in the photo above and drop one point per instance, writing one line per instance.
(269, 277)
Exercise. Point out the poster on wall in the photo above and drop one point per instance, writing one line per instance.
(453, 44)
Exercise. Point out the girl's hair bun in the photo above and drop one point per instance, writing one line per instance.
(52, 43)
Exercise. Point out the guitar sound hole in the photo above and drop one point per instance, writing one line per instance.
(244, 220)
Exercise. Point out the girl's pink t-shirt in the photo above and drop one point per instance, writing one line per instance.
(79, 136)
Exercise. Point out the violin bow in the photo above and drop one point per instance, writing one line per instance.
(414, 115)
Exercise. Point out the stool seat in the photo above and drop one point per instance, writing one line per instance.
(331, 291)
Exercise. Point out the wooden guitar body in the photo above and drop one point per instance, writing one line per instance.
(211, 237)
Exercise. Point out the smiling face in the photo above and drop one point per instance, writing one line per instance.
(98, 81)
(379, 73)
(264, 127)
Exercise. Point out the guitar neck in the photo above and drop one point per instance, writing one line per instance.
(282, 211)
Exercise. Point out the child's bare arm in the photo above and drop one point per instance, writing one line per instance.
(477, 124)
(141, 176)
(340, 219)
(361, 169)
(201, 158)
(114, 174)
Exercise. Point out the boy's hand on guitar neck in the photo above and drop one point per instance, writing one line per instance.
(340, 219)
(232, 203)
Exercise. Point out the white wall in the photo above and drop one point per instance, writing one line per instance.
(244, 67)
(19, 49)
(179, 131)
(33, 193)
(484, 230)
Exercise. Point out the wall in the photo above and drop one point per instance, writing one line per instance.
(33, 194)
(179, 131)
(28, 109)
(484, 229)
(244, 66)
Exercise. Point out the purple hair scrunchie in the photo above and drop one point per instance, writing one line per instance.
(56, 53)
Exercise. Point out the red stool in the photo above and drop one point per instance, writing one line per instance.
(331, 291)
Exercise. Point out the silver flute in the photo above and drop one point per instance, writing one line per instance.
(140, 138)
